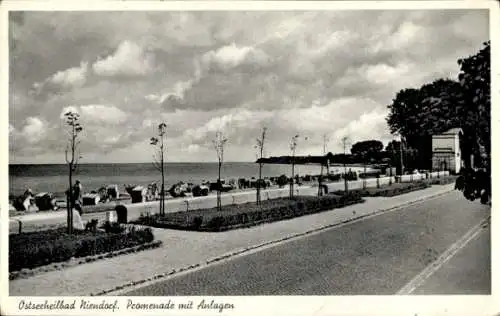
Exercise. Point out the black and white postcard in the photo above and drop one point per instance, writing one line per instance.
(241, 158)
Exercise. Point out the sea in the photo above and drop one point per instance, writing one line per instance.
(54, 177)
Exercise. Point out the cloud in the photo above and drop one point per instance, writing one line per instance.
(63, 80)
(230, 124)
(129, 60)
(72, 77)
(97, 114)
(365, 127)
(242, 127)
(226, 64)
(34, 131)
(232, 56)
(310, 73)
(103, 113)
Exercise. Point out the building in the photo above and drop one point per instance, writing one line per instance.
(446, 154)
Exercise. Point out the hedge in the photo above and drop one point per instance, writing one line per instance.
(390, 190)
(247, 214)
(442, 180)
(34, 249)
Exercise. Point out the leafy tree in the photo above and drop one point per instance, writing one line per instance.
(159, 160)
(417, 114)
(393, 150)
(475, 81)
(72, 157)
(444, 104)
(423, 111)
(367, 149)
(393, 146)
(393, 157)
(219, 142)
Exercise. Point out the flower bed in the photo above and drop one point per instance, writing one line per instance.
(247, 214)
(390, 190)
(35, 249)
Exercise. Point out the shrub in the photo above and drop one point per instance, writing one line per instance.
(215, 223)
(388, 191)
(442, 181)
(197, 221)
(282, 180)
(34, 249)
(113, 228)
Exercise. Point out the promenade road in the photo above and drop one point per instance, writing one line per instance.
(375, 256)
(34, 221)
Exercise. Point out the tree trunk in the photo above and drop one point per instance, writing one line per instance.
(162, 202)
(259, 183)
(364, 174)
(219, 187)
(320, 180)
(346, 185)
(69, 203)
(390, 174)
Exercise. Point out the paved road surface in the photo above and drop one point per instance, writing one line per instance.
(376, 256)
(468, 272)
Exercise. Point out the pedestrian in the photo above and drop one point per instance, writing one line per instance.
(28, 193)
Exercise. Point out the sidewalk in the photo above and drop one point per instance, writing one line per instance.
(182, 248)
(31, 222)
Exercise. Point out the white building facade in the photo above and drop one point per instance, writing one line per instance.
(446, 154)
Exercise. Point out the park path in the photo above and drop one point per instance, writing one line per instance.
(182, 248)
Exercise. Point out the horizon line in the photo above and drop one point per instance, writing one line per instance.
(137, 162)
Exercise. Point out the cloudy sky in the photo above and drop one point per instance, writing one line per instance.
(306, 73)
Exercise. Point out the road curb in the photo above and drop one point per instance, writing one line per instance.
(227, 256)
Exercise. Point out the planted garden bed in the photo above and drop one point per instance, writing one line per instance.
(390, 190)
(35, 249)
(248, 214)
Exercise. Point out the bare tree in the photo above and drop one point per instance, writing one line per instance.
(159, 160)
(219, 143)
(345, 141)
(260, 146)
(72, 157)
(320, 182)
